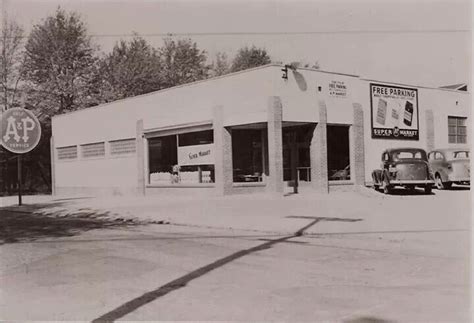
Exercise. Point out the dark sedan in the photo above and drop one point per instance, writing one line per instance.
(404, 167)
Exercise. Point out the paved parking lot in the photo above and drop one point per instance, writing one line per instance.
(340, 257)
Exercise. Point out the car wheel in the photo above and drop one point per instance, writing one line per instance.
(428, 189)
(440, 184)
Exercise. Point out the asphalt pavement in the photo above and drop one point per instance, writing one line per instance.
(398, 258)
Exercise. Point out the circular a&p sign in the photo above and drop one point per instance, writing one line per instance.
(20, 130)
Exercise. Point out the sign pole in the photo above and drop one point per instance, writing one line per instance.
(20, 132)
(19, 178)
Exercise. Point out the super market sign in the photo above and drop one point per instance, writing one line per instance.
(196, 155)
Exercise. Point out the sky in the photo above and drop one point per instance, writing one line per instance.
(417, 42)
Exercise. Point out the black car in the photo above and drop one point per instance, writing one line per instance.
(405, 167)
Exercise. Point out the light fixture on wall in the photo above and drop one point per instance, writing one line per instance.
(285, 72)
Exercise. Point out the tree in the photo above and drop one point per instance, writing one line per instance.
(250, 57)
(182, 62)
(132, 68)
(11, 57)
(221, 65)
(59, 63)
(303, 64)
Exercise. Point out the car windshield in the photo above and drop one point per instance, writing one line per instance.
(410, 154)
(459, 155)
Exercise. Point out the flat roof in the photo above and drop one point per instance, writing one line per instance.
(251, 70)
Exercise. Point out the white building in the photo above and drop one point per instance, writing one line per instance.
(251, 131)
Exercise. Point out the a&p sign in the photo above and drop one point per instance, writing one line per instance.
(20, 130)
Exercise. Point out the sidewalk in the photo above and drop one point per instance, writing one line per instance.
(342, 212)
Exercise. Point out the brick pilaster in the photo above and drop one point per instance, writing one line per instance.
(140, 159)
(223, 169)
(275, 145)
(319, 152)
(430, 132)
(357, 149)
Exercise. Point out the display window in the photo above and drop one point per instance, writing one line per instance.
(296, 145)
(185, 159)
(338, 153)
(248, 155)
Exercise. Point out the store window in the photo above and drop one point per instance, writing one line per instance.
(182, 159)
(248, 155)
(457, 132)
(338, 153)
(162, 156)
(196, 138)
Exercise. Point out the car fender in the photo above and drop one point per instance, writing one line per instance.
(377, 176)
(444, 175)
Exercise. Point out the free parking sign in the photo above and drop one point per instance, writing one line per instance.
(20, 130)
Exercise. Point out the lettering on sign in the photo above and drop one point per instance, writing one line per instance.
(20, 130)
(394, 112)
(337, 89)
(196, 155)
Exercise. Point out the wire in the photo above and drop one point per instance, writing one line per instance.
(277, 33)
(271, 33)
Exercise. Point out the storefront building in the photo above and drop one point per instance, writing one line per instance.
(259, 130)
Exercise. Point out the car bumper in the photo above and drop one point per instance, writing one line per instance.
(459, 179)
(411, 182)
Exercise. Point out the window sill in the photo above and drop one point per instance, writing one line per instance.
(249, 184)
(342, 182)
(190, 185)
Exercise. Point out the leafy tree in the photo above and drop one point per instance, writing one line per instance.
(11, 56)
(303, 64)
(250, 57)
(182, 62)
(59, 64)
(221, 65)
(132, 68)
(58, 69)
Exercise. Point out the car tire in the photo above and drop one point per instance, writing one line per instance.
(428, 189)
(440, 184)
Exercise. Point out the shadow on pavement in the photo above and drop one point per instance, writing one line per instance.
(36, 221)
(407, 192)
(459, 188)
(367, 319)
(182, 281)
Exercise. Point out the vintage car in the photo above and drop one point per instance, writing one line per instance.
(405, 167)
(450, 166)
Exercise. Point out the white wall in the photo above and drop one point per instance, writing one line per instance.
(97, 172)
(300, 95)
(244, 97)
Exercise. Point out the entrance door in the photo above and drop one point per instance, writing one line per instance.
(296, 155)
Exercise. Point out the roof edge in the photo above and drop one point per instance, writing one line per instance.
(417, 86)
(169, 88)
